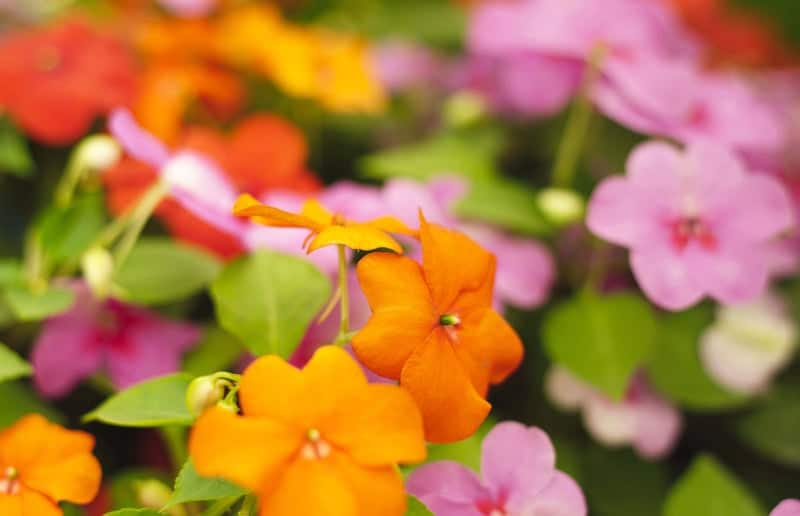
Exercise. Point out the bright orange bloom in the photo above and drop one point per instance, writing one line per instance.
(319, 441)
(434, 329)
(42, 464)
(326, 228)
(263, 152)
(54, 81)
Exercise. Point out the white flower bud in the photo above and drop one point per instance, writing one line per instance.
(561, 206)
(98, 271)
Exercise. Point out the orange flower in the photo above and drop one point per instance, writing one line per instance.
(41, 464)
(434, 329)
(319, 441)
(326, 228)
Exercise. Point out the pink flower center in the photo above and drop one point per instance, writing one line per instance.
(690, 229)
(491, 507)
(315, 447)
(9, 483)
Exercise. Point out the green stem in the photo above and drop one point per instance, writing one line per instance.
(65, 189)
(138, 219)
(248, 506)
(571, 146)
(174, 438)
(221, 506)
(344, 304)
(33, 266)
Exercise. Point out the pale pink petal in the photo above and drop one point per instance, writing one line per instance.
(65, 352)
(448, 189)
(658, 425)
(401, 65)
(534, 85)
(712, 172)
(447, 488)
(189, 8)
(136, 141)
(354, 201)
(656, 166)
(730, 275)
(609, 422)
(152, 347)
(517, 461)
(404, 198)
(787, 508)
(561, 497)
(564, 390)
(666, 279)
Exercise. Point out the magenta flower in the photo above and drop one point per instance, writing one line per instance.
(525, 270)
(696, 223)
(789, 507)
(518, 477)
(642, 419)
(129, 343)
(192, 179)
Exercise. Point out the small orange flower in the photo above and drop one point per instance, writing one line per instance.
(434, 329)
(319, 441)
(326, 228)
(41, 464)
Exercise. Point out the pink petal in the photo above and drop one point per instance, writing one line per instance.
(447, 488)
(154, 348)
(787, 508)
(448, 189)
(609, 422)
(730, 275)
(189, 8)
(64, 353)
(658, 425)
(517, 461)
(534, 84)
(561, 497)
(355, 201)
(655, 166)
(666, 279)
(136, 141)
(404, 198)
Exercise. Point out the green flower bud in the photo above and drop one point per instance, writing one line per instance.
(561, 206)
(98, 270)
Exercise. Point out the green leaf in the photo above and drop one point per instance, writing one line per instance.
(14, 155)
(468, 153)
(157, 402)
(504, 203)
(268, 299)
(675, 368)
(17, 400)
(601, 339)
(11, 365)
(709, 489)
(417, 508)
(216, 351)
(26, 305)
(191, 487)
(10, 272)
(134, 512)
(772, 428)
(635, 488)
(65, 233)
(159, 270)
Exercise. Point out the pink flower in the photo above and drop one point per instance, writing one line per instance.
(402, 65)
(129, 343)
(518, 476)
(788, 507)
(525, 270)
(748, 344)
(189, 8)
(696, 222)
(642, 419)
(194, 180)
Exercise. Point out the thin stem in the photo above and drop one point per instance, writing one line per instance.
(33, 266)
(571, 146)
(65, 189)
(344, 304)
(138, 219)
(248, 506)
(221, 506)
(174, 439)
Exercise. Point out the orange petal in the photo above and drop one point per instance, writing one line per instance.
(315, 211)
(272, 388)
(51, 459)
(378, 490)
(393, 225)
(355, 236)
(332, 377)
(391, 281)
(35, 504)
(11, 505)
(454, 264)
(247, 206)
(379, 426)
(248, 451)
(506, 346)
(312, 487)
(389, 337)
(451, 408)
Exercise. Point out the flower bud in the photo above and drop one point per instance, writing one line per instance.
(98, 270)
(561, 206)
(153, 494)
(98, 152)
(203, 393)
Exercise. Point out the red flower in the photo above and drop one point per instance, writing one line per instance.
(262, 153)
(55, 80)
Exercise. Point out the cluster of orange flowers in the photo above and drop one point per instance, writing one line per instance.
(335, 440)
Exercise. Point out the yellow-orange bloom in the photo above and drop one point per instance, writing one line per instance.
(326, 228)
(319, 441)
(41, 464)
(434, 329)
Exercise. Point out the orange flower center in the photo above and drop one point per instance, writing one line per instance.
(9, 484)
(315, 447)
(449, 320)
